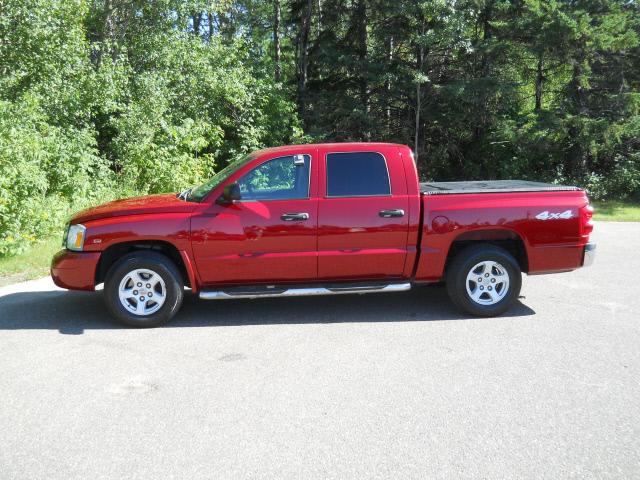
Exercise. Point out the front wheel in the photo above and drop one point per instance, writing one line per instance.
(484, 280)
(143, 289)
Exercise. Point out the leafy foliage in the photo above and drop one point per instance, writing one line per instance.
(105, 98)
(44, 171)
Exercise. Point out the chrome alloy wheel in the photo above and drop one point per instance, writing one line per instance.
(487, 283)
(142, 292)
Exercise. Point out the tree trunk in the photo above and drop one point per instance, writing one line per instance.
(485, 72)
(576, 157)
(419, 64)
(578, 90)
(210, 19)
(419, 70)
(303, 51)
(539, 80)
(226, 27)
(108, 32)
(387, 86)
(276, 40)
(362, 38)
(197, 19)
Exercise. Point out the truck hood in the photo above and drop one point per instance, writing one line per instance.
(163, 203)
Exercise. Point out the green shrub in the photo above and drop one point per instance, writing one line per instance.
(45, 173)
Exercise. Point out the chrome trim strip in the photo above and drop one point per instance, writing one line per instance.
(311, 291)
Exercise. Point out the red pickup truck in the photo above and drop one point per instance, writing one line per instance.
(324, 219)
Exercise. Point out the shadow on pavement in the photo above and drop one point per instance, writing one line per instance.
(74, 312)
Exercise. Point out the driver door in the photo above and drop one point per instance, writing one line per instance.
(269, 235)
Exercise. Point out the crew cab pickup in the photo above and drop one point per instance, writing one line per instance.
(324, 219)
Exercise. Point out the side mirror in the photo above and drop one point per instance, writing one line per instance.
(230, 194)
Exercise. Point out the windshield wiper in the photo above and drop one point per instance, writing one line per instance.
(184, 195)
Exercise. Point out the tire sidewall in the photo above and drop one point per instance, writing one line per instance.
(457, 279)
(150, 261)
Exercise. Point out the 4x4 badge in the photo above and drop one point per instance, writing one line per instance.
(546, 215)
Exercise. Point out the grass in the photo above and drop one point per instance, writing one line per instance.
(616, 211)
(32, 263)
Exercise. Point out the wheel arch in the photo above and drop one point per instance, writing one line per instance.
(504, 238)
(114, 252)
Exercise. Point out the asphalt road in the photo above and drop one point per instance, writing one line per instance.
(392, 386)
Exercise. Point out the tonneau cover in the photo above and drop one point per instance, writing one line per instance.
(490, 186)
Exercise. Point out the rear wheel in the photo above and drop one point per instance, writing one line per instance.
(143, 289)
(484, 280)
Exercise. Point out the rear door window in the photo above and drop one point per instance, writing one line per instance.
(357, 174)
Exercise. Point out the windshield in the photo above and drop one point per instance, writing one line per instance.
(201, 191)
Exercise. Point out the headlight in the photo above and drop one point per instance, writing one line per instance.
(75, 237)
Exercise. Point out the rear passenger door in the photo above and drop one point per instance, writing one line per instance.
(362, 215)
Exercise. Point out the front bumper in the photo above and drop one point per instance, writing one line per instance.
(74, 270)
(589, 254)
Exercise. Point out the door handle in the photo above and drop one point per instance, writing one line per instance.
(292, 217)
(391, 213)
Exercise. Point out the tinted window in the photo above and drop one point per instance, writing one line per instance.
(357, 174)
(279, 179)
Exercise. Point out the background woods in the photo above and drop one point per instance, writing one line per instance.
(115, 97)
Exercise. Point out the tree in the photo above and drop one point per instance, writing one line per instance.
(105, 98)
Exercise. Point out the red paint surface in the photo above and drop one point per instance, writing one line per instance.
(354, 242)
(343, 239)
(248, 242)
(75, 271)
(150, 204)
(551, 245)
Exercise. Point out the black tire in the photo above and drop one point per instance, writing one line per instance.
(462, 265)
(154, 262)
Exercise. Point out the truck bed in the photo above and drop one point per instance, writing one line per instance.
(490, 186)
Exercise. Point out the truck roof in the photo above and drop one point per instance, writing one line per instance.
(339, 146)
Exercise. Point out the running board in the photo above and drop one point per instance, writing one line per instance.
(300, 292)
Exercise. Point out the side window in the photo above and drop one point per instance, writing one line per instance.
(358, 174)
(283, 178)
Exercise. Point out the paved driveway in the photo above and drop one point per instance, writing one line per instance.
(380, 386)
